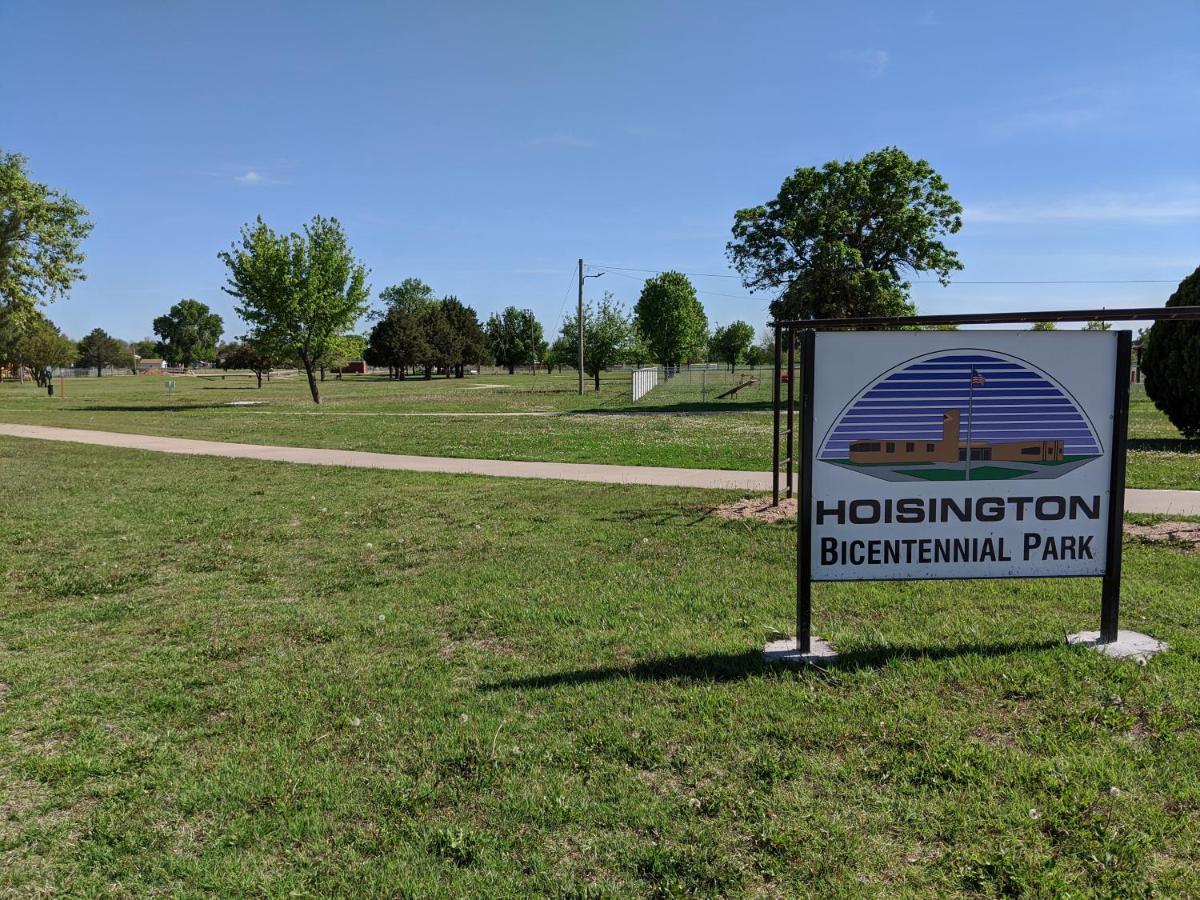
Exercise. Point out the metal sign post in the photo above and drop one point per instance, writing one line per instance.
(1110, 603)
(808, 345)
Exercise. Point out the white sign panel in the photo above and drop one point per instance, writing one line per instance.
(982, 454)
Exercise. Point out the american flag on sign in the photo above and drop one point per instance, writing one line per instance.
(977, 379)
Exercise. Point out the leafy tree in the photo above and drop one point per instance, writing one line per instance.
(412, 296)
(40, 233)
(637, 353)
(443, 346)
(248, 355)
(472, 342)
(607, 332)
(731, 343)
(1044, 326)
(558, 354)
(145, 348)
(1098, 325)
(100, 349)
(189, 333)
(514, 338)
(38, 346)
(670, 318)
(1171, 362)
(396, 341)
(836, 241)
(299, 292)
(341, 351)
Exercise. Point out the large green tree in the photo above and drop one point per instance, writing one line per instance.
(515, 338)
(670, 319)
(188, 333)
(253, 355)
(40, 233)
(471, 341)
(731, 343)
(342, 350)
(396, 341)
(300, 292)
(1171, 362)
(607, 334)
(99, 349)
(146, 348)
(36, 346)
(838, 241)
(443, 346)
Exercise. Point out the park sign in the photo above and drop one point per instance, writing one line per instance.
(984, 454)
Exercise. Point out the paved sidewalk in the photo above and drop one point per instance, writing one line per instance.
(1179, 503)
(362, 459)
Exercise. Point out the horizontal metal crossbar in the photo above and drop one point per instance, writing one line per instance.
(1151, 313)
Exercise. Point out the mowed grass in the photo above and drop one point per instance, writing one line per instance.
(232, 677)
(526, 418)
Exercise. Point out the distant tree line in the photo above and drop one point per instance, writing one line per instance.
(836, 241)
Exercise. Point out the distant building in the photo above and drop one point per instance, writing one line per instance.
(148, 366)
(950, 449)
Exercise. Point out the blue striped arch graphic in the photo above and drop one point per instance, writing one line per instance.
(1007, 405)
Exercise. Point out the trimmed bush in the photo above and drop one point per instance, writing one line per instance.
(1171, 362)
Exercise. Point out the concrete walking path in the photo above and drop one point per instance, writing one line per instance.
(1179, 503)
(363, 459)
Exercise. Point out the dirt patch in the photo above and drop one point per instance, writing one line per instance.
(1187, 533)
(489, 646)
(757, 508)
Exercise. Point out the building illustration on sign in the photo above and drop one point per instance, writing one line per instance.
(963, 415)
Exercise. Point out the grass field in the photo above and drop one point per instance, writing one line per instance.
(368, 413)
(231, 678)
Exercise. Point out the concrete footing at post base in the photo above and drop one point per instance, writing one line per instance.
(1128, 645)
(784, 650)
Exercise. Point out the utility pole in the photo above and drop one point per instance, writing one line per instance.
(532, 344)
(579, 322)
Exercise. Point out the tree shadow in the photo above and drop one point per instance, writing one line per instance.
(683, 407)
(1164, 445)
(683, 516)
(723, 667)
(174, 407)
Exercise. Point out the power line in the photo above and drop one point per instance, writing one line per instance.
(1057, 281)
(758, 300)
(931, 281)
(659, 271)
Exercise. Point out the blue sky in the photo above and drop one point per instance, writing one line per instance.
(484, 147)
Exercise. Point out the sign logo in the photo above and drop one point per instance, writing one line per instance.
(962, 415)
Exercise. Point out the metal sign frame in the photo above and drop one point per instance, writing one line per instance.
(805, 330)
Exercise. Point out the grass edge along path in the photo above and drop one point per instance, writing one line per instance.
(1137, 500)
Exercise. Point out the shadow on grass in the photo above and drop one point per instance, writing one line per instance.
(172, 407)
(1164, 445)
(661, 516)
(682, 408)
(720, 667)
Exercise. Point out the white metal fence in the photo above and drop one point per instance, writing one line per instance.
(644, 381)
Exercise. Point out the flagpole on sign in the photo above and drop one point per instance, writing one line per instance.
(970, 419)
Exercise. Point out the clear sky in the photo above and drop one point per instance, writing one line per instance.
(484, 147)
